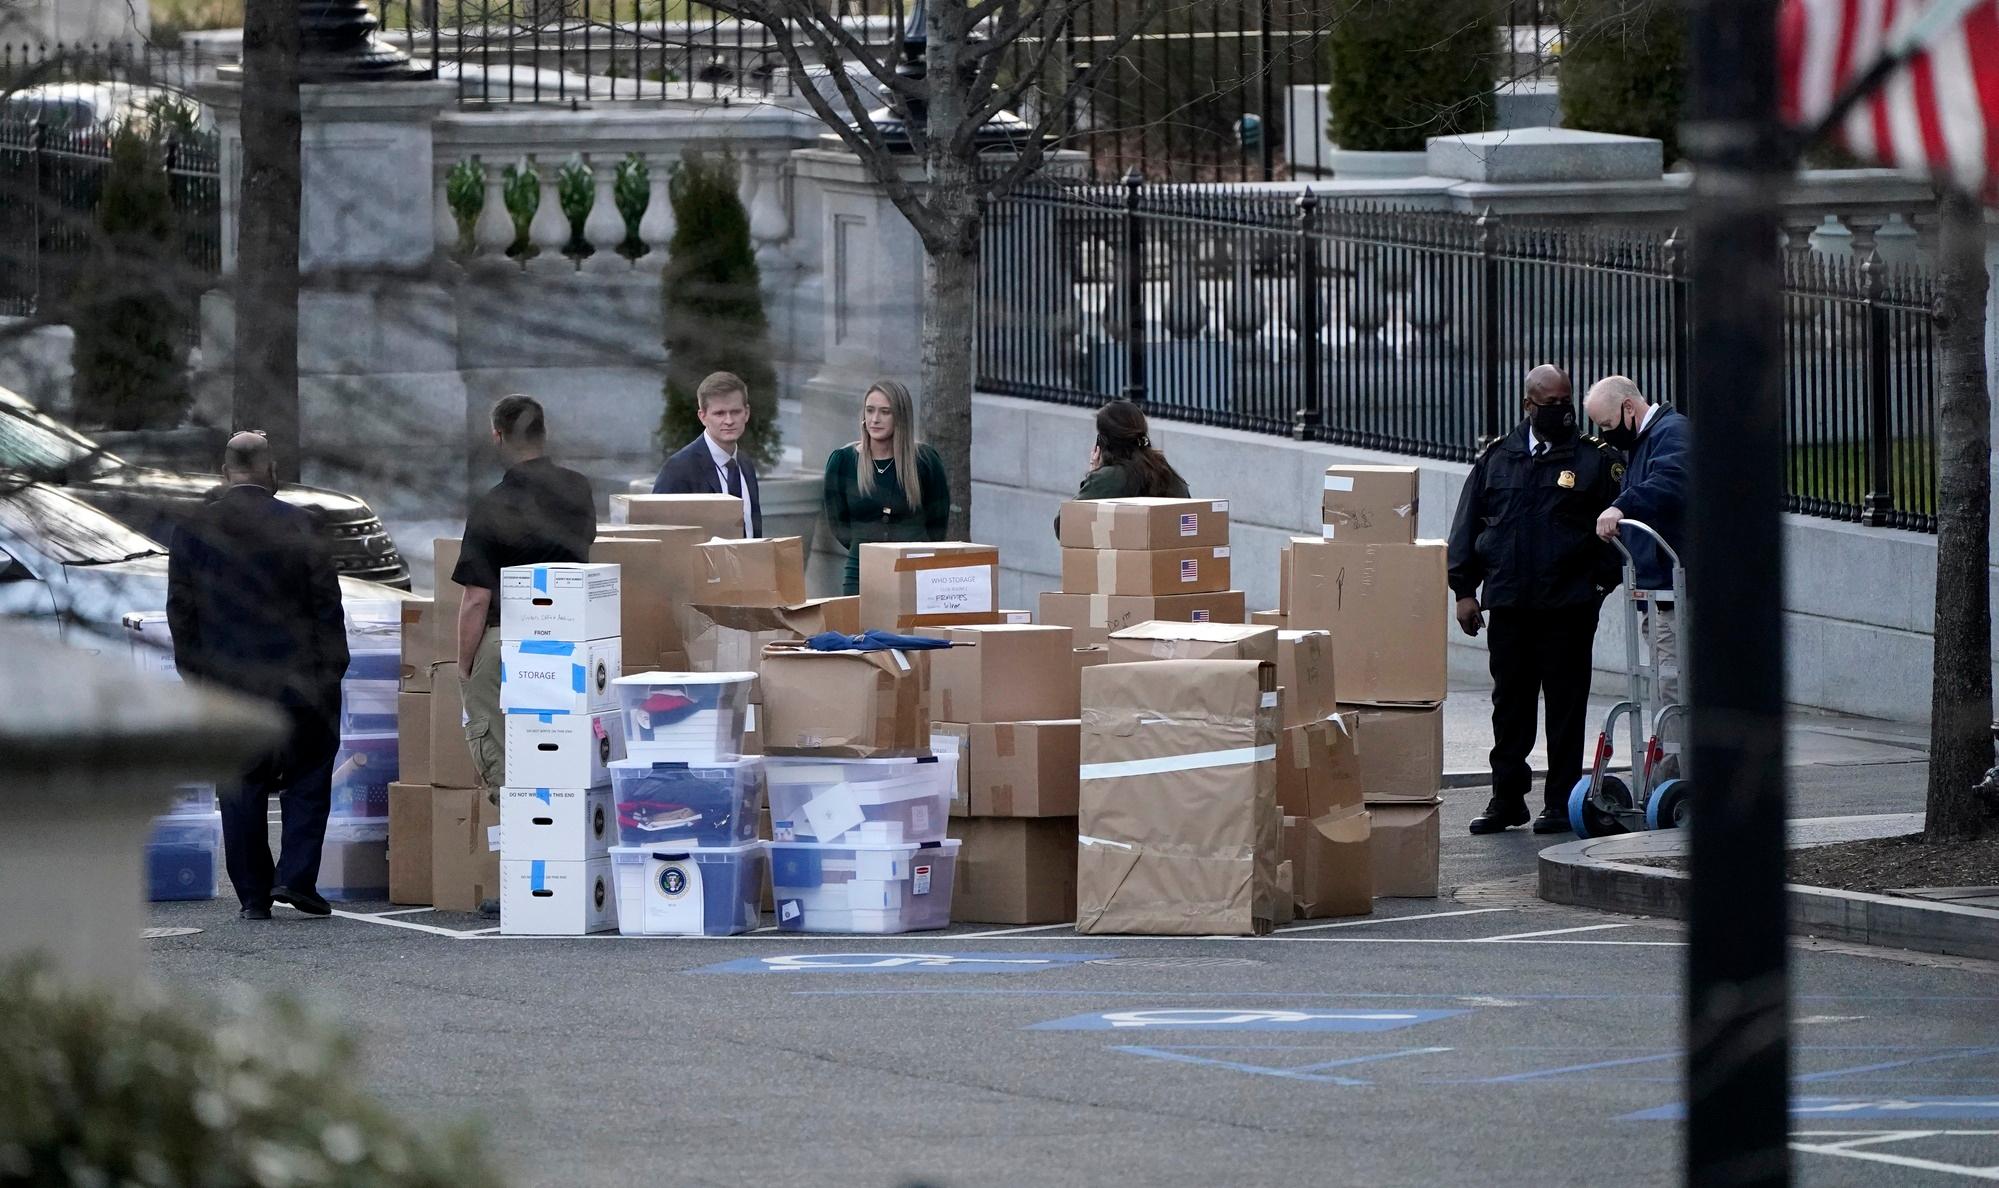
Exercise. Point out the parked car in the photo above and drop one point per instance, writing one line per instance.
(77, 106)
(154, 502)
(76, 572)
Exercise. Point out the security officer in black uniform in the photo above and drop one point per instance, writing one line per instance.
(1525, 531)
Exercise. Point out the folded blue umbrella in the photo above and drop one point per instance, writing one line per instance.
(872, 641)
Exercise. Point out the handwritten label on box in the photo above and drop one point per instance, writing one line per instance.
(961, 590)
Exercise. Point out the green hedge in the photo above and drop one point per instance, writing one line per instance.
(1624, 68)
(131, 306)
(1405, 70)
(713, 304)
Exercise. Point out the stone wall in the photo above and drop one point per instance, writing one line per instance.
(1858, 601)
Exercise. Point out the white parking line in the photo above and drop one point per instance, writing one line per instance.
(1520, 936)
(1387, 920)
(1010, 931)
(370, 918)
(415, 911)
(1847, 1149)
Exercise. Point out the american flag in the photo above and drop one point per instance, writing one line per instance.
(1935, 65)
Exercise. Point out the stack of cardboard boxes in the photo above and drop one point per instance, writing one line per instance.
(1382, 595)
(1007, 697)
(1129, 561)
(559, 654)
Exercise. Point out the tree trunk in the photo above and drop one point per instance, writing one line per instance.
(1961, 677)
(950, 259)
(267, 267)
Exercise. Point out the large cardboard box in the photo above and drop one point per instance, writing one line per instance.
(1271, 618)
(1178, 789)
(715, 515)
(1370, 504)
(563, 750)
(1086, 659)
(420, 638)
(1402, 753)
(733, 638)
(1387, 607)
(1152, 573)
(1143, 523)
(929, 584)
(1002, 672)
(1331, 869)
(557, 824)
(1165, 640)
(1015, 871)
(767, 571)
(413, 741)
(1287, 896)
(1318, 771)
(1094, 616)
(451, 763)
(409, 844)
(858, 705)
(541, 898)
(647, 624)
(463, 869)
(560, 601)
(446, 595)
(1305, 663)
(1404, 843)
(1015, 769)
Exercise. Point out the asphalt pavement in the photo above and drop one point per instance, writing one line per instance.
(1479, 1038)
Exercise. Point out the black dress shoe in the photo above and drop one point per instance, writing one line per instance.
(489, 908)
(312, 903)
(1553, 821)
(255, 913)
(1499, 816)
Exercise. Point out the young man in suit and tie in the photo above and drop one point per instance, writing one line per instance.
(712, 464)
(254, 606)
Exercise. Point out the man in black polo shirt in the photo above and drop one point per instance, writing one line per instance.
(538, 513)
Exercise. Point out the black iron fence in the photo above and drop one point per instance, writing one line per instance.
(51, 180)
(1409, 332)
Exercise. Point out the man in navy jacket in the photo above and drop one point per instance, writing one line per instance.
(1655, 493)
(254, 606)
(712, 464)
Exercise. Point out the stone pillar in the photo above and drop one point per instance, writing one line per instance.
(89, 751)
(382, 398)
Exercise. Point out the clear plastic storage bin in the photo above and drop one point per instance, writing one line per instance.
(689, 892)
(861, 801)
(664, 803)
(367, 707)
(184, 857)
(862, 889)
(362, 771)
(193, 799)
(354, 861)
(689, 717)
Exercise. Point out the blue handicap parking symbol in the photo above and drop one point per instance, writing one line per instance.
(1816, 1108)
(950, 963)
(1245, 1019)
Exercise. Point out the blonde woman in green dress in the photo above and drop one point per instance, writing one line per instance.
(888, 486)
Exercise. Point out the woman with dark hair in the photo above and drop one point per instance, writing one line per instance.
(888, 486)
(1123, 464)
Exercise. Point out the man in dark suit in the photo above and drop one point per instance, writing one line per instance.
(1655, 438)
(254, 606)
(712, 464)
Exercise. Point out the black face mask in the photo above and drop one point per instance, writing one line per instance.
(1620, 435)
(1554, 423)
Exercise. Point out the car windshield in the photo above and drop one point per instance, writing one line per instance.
(68, 530)
(32, 445)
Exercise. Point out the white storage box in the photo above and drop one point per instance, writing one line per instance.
(861, 801)
(354, 861)
(548, 676)
(184, 856)
(692, 717)
(690, 892)
(687, 804)
(539, 898)
(563, 750)
(555, 824)
(559, 601)
(873, 889)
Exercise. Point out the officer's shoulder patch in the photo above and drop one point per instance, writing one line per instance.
(1617, 471)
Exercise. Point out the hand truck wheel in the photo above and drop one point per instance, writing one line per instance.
(1590, 821)
(1671, 806)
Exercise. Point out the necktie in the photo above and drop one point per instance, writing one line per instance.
(1540, 450)
(735, 473)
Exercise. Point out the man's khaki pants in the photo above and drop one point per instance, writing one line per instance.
(1662, 627)
(485, 725)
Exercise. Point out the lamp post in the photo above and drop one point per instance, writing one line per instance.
(337, 44)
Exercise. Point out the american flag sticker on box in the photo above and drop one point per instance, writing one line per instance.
(1200, 616)
(1190, 524)
(1190, 570)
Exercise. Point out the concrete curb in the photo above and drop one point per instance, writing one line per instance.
(1598, 873)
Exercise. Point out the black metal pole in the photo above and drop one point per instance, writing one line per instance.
(1310, 417)
(1133, 279)
(1738, 992)
(1879, 500)
(1268, 129)
(1488, 320)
